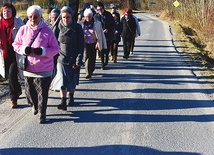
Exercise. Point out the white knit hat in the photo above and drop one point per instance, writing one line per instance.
(88, 11)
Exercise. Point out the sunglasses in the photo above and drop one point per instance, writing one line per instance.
(99, 9)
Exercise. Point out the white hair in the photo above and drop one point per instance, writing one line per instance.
(88, 11)
(33, 8)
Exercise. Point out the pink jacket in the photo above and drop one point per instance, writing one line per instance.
(45, 39)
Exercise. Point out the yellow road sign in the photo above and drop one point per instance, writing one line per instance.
(176, 3)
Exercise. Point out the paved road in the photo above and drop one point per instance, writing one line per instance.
(150, 104)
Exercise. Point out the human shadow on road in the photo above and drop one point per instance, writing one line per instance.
(150, 78)
(114, 110)
(94, 150)
(132, 110)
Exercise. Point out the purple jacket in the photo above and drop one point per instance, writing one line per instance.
(45, 39)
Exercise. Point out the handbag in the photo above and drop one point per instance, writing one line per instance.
(22, 62)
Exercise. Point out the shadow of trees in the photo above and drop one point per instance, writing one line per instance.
(94, 150)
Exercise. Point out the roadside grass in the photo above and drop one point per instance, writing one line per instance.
(188, 42)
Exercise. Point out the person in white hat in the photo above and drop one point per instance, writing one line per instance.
(94, 40)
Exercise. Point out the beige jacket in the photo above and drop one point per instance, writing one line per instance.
(101, 40)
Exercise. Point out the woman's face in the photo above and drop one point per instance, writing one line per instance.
(53, 17)
(115, 17)
(66, 18)
(34, 18)
(88, 18)
(7, 13)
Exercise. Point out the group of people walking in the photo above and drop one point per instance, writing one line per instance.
(57, 48)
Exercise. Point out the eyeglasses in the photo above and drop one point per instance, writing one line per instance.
(33, 17)
(99, 9)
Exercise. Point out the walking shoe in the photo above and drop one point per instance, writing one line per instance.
(62, 105)
(71, 100)
(88, 77)
(42, 119)
(35, 112)
(125, 57)
(103, 67)
(13, 104)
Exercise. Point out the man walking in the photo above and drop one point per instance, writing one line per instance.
(108, 26)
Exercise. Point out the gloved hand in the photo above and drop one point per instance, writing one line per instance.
(38, 51)
(27, 50)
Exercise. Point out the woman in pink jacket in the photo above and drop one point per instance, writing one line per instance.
(39, 58)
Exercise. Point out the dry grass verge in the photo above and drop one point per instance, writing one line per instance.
(188, 42)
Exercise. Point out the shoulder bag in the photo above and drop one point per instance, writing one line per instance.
(22, 62)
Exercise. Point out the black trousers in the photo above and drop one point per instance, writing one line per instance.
(11, 69)
(127, 43)
(90, 58)
(104, 54)
(132, 45)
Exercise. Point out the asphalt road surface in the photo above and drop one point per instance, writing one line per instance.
(151, 104)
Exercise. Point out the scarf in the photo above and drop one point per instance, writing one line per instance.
(6, 27)
(88, 25)
(64, 29)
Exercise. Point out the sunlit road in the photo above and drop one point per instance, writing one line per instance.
(150, 104)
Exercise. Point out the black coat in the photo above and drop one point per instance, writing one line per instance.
(108, 23)
(129, 27)
(119, 28)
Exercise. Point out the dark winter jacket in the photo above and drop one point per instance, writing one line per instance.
(71, 40)
(119, 28)
(107, 23)
(129, 27)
